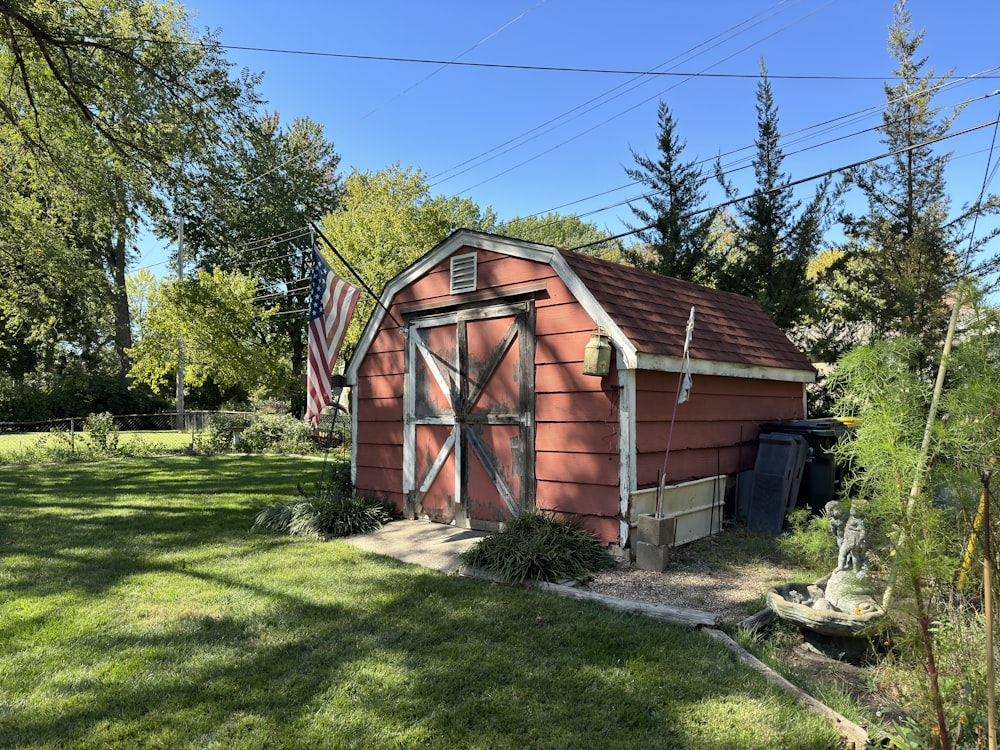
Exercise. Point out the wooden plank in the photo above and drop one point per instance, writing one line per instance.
(565, 317)
(659, 407)
(378, 455)
(558, 378)
(593, 406)
(688, 618)
(583, 499)
(662, 382)
(381, 364)
(582, 468)
(651, 437)
(562, 348)
(381, 387)
(577, 437)
(686, 465)
(855, 736)
(380, 433)
(379, 410)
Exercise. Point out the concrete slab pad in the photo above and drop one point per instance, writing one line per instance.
(421, 542)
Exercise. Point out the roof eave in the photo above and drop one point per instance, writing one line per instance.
(663, 363)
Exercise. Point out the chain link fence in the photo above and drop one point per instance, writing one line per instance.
(190, 421)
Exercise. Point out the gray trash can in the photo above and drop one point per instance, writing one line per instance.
(822, 474)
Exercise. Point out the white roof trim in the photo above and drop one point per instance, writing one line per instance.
(629, 356)
(503, 246)
(664, 363)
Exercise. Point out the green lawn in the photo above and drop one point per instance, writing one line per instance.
(139, 610)
(172, 440)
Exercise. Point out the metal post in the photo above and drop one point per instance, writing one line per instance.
(180, 342)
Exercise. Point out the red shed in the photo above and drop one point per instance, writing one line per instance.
(470, 402)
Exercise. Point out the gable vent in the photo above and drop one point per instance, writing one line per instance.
(463, 274)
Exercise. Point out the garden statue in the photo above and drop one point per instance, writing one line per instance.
(851, 543)
(840, 606)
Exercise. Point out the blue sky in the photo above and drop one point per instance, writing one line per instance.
(530, 141)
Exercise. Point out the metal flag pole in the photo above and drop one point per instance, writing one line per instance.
(683, 391)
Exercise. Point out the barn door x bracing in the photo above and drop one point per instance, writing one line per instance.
(469, 416)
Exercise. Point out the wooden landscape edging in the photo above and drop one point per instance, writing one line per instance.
(855, 736)
(688, 618)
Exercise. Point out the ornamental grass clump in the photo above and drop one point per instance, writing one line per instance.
(539, 547)
(326, 514)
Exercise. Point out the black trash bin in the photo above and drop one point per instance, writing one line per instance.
(822, 475)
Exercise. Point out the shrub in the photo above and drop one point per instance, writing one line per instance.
(536, 546)
(329, 512)
(277, 433)
(102, 432)
(810, 542)
(217, 437)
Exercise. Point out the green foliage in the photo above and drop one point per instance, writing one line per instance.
(908, 220)
(262, 433)
(331, 511)
(102, 432)
(569, 232)
(140, 612)
(277, 433)
(211, 318)
(774, 239)
(536, 546)
(73, 391)
(809, 541)
(681, 236)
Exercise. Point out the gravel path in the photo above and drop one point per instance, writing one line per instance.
(733, 591)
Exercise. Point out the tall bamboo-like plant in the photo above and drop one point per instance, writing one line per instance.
(909, 463)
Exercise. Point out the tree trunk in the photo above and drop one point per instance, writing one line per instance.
(117, 257)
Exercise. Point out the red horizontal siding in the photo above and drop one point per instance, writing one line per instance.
(573, 497)
(593, 406)
(588, 437)
(592, 468)
(380, 410)
(380, 387)
(379, 364)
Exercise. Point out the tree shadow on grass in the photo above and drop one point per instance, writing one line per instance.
(269, 641)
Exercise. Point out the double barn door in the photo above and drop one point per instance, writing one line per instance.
(469, 415)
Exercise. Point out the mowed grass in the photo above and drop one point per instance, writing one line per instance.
(140, 610)
(171, 440)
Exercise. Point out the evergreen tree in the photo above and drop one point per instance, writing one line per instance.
(679, 235)
(902, 255)
(773, 246)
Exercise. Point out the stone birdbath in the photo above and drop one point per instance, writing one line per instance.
(839, 608)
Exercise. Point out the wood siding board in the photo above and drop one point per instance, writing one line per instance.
(589, 406)
(379, 410)
(378, 433)
(685, 465)
(381, 364)
(574, 497)
(590, 468)
(382, 387)
(563, 348)
(560, 437)
(559, 378)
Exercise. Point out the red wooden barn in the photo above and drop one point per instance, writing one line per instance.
(470, 402)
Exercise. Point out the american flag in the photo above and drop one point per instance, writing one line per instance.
(331, 305)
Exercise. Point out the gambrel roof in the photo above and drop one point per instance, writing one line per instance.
(644, 314)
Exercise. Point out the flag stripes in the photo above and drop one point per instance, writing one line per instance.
(331, 305)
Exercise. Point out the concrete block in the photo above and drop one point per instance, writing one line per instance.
(651, 557)
(656, 531)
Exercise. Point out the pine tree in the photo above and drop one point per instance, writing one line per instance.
(773, 246)
(679, 234)
(904, 253)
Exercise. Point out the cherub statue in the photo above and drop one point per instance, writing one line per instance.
(852, 545)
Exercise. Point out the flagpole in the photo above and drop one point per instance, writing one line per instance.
(677, 399)
(355, 274)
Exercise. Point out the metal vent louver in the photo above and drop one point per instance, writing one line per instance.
(463, 274)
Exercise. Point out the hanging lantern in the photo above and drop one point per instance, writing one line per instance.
(597, 355)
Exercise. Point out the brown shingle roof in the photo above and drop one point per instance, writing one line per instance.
(652, 310)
